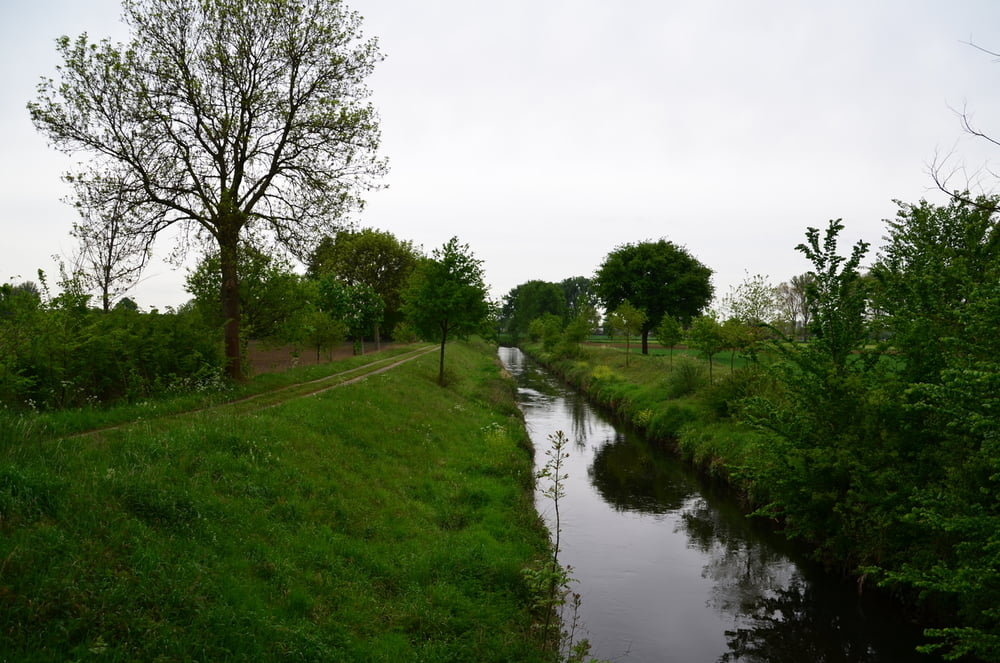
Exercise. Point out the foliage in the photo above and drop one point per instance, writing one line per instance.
(685, 378)
(937, 288)
(358, 307)
(112, 257)
(669, 333)
(238, 119)
(707, 335)
(657, 277)
(270, 292)
(59, 353)
(447, 297)
(630, 321)
(754, 301)
(794, 305)
(528, 302)
(546, 328)
(578, 330)
(933, 261)
(837, 295)
(834, 418)
(317, 329)
(580, 296)
(371, 257)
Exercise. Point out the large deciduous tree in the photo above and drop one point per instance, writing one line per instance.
(657, 277)
(447, 297)
(529, 301)
(235, 117)
(374, 258)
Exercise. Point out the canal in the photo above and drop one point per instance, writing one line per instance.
(670, 570)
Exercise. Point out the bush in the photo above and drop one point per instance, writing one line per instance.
(687, 376)
(75, 357)
(404, 332)
(723, 398)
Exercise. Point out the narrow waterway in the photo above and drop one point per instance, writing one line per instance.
(669, 571)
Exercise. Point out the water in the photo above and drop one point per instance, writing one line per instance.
(670, 571)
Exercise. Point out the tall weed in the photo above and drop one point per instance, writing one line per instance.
(687, 376)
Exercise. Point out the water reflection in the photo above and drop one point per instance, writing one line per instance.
(634, 476)
(670, 571)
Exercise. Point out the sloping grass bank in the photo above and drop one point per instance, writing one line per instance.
(675, 401)
(387, 520)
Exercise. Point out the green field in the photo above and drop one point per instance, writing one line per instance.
(384, 520)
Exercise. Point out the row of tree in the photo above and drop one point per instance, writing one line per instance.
(656, 288)
(59, 351)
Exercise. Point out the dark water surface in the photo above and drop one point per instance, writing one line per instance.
(670, 571)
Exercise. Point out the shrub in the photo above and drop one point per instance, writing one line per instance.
(723, 398)
(687, 377)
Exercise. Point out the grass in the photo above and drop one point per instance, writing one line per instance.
(675, 402)
(386, 520)
(186, 398)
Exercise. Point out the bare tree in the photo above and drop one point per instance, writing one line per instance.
(944, 170)
(235, 117)
(794, 302)
(112, 255)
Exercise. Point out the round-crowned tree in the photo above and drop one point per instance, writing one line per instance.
(660, 278)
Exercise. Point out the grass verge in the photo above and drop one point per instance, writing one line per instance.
(385, 520)
(675, 401)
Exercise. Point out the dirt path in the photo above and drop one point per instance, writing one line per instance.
(275, 397)
(264, 358)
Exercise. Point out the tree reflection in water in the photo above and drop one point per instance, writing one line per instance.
(780, 615)
(647, 510)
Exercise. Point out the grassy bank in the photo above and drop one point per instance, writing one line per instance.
(386, 520)
(678, 401)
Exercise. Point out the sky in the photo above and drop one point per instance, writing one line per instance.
(546, 133)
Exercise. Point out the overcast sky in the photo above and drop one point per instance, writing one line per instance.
(544, 133)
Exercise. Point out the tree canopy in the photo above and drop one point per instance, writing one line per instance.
(235, 118)
(447, 297)
(657, 277)
(934, 259)
(375, 258)
(529, 301)
(270, 292)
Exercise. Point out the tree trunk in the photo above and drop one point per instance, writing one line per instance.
(444, 339)
(228, 238)
(645, 341)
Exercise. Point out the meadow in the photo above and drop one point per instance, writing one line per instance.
(389, 519)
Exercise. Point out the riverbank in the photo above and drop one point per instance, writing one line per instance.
(384, 520)
(669, 568)
(831, 463)
(674, 401)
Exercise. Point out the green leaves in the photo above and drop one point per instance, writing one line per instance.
(447, 296)
(837, 294)
(657, 277)
(236, 117)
